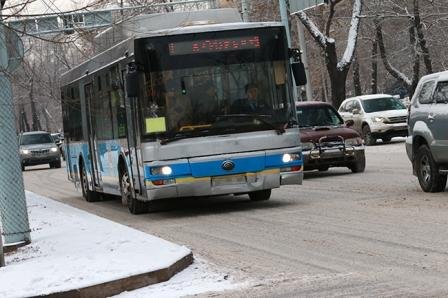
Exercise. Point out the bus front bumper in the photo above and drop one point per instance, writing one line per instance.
(222, 185)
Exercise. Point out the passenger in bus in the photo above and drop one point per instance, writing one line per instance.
(251, 104)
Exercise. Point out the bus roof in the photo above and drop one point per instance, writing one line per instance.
(125, 48)
(207, 28)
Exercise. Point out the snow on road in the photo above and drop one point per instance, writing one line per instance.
(73, 249)
(197, 279)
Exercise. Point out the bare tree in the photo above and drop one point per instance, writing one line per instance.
(337, 68)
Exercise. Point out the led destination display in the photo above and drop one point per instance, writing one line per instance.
(214, 45)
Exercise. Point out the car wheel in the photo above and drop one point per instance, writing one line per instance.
(89, 196)
(323, 168)
(386, 140)
(428, 172)
(359, 165)
(135, 206)
(369, 140)
(58, 164)
(23, 168)
(260, 195)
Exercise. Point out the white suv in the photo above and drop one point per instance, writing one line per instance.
(378, 116)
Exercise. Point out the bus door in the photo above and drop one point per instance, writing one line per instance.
(91, 130)
(132, 136)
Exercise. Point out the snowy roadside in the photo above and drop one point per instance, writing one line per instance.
(73, 249)
(197, 279)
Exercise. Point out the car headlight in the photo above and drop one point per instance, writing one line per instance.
(25, 151)
(353, 142)
(54, 149)
(378, 119)
(290, 157)
(307, 146)
(165, 171)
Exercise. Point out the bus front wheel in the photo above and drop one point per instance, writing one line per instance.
(89, 196)
(135, 206)
(260, 195)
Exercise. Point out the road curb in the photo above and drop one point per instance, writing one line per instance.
(130, 283)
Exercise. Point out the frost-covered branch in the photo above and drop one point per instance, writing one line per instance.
(318, 36)
(352, 36)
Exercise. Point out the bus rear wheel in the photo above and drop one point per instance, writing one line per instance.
(89, 196)
(135, 206)
(260, 195)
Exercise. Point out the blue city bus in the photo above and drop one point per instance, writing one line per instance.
(164, 114)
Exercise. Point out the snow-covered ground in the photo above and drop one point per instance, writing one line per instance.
(73, 249)
(196, 279)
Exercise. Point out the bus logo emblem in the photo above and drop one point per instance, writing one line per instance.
(228, 165)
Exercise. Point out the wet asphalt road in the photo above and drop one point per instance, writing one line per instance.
(339, 234)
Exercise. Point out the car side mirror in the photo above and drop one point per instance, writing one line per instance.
(356, 112)
(349, 123)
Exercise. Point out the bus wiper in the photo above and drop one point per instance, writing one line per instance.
(280, 130)
(193, 134)
(176, 137)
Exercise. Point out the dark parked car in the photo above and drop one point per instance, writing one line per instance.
(38, 148)
(427, 143)
(326, 139)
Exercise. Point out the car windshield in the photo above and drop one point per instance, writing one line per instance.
(382, 104)
(32, 139)
(312, 116)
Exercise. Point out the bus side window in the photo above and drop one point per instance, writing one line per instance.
(117, 103)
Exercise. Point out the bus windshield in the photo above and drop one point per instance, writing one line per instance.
(217, 90)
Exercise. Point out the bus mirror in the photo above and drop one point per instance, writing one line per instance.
(298, 70)
(132, 83)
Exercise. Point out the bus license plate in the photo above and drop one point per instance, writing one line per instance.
(229, 180)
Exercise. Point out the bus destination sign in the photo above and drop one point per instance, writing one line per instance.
(214, 45)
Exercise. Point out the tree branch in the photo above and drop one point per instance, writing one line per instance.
(352, 36)
(392, 70)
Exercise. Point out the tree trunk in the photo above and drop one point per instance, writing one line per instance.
(374, 82)
(421, 38)
(356, 77)
(338, 77)
(338, 90)
(35, 117)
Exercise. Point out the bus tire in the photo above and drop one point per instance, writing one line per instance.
(89, 195)
(135, 206)
(260, 195)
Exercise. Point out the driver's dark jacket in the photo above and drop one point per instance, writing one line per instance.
(245, 106)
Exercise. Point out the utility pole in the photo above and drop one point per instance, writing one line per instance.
(13, 208)
(245, 10)
(302, 44)
(285, 21)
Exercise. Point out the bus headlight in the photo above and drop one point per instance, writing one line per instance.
(54, 149)
(165, 171)
(290, 157)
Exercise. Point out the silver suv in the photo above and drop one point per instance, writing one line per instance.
(427, 144)
(38, 148)
(377, 116)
